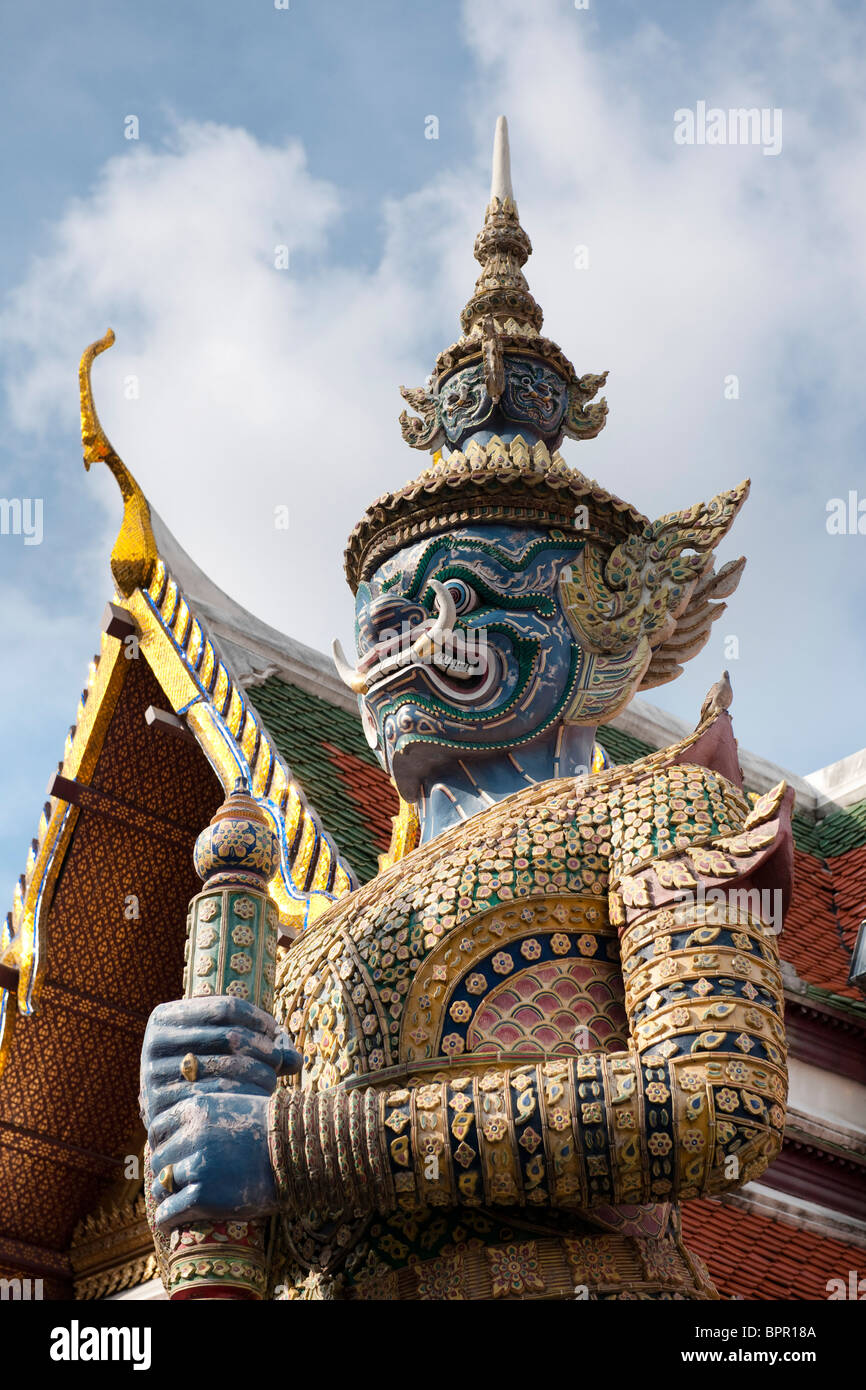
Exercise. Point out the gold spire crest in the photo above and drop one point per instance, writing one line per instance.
(501, 315)
(501, 323)
(135, 552)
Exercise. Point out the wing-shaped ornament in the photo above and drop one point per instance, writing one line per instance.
(642, 609)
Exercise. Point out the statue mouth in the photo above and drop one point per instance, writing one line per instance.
(457, 663)
(458, 682)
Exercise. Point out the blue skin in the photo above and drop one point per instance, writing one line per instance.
(214, 1130)
(428, 744)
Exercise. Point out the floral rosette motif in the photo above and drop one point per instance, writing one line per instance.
(238, 837)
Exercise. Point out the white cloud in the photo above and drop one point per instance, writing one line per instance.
(260, 387)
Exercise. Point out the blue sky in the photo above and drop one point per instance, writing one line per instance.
(306, 127)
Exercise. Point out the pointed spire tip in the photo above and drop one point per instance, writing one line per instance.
(500, 184)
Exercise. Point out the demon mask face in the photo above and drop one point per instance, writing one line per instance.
(464, 646)
(485, 639)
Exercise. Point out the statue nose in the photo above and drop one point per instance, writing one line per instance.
(388, 614)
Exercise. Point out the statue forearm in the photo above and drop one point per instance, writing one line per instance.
(687, 1112)
(705, 1004)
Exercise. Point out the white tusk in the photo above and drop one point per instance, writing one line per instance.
(426, 644)
(352, 678)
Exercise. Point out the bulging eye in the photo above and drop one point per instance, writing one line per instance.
(464, 597)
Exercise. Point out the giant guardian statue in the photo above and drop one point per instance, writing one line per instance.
(495, 1070)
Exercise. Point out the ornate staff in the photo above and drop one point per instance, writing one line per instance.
(231, 949)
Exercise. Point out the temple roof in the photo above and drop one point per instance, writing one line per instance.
(251, 648)
(172, 711)
(203, 652)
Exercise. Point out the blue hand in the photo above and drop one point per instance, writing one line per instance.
(212, 1130)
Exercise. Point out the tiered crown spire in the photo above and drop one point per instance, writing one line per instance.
(501, 324)
(493, 413)
(502, 247)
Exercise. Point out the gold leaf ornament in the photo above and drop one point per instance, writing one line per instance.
(765, 806)
(672, 873)
(712, 863)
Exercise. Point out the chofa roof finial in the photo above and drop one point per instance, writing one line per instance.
(135, 551)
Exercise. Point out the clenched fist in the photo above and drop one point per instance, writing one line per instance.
(208, 1069)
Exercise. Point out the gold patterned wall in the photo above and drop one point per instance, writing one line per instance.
(68, 1109)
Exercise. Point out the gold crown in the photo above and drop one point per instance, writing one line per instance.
(517, 482)
(491, 483)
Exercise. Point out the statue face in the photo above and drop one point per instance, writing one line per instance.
(534, 400)
(464, 646)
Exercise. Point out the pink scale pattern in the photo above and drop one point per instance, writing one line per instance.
(542, 1008)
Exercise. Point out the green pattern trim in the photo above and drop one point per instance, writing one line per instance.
(807, 835)
(300, 723)
(855, 1007)
(552, 542)
(620, 747)
(843, 830)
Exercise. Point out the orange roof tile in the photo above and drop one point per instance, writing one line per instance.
(371, 791)
(757, 1257)
(849, 883)
(812, 940)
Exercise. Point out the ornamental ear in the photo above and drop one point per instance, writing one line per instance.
(426, 433)
(642, 586)
(625, 606)
(582, 420)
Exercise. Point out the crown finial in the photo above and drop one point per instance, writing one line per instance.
(501, 376)
(500, 184)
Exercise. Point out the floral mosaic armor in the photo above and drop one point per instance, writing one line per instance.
(522, 1047)
(557, 1011)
